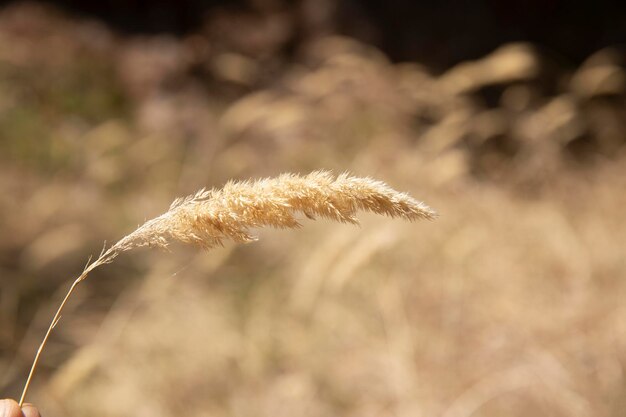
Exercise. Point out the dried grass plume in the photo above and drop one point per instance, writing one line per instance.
(209, 217)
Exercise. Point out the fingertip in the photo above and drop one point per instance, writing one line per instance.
(30, 410)
(10, 408)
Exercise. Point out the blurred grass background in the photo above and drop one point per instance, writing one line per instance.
(510, 304)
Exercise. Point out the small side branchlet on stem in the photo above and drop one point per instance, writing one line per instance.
(209, 217)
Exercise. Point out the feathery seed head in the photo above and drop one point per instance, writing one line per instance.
(208, 217)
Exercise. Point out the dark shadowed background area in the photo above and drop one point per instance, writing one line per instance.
(508, 117)
(440, 33)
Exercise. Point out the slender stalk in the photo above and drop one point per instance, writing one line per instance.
(106, 256)
(53, 323)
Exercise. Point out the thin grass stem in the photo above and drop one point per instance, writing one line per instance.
(53, 323)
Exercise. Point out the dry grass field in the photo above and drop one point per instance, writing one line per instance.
(510, 303)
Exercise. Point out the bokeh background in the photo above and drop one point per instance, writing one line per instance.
(508, 117)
